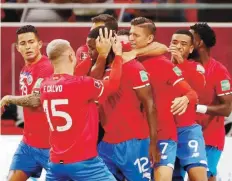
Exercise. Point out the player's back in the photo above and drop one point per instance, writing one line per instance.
(218, 83)
(72, 115)
(123, 119)
(34, 118)
(163, 75)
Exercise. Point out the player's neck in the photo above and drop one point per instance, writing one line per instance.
(34, 61)
(204, 56)
(63, 69)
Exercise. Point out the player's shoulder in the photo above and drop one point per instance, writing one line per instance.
(197, 66)
(218, 65)
(83, 48)
(133, 65)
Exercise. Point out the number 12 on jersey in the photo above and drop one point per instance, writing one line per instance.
(56, 113)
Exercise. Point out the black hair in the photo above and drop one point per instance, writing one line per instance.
(109, 21)
(27, 29)
(185, 32)
(123, 32)
(206, 33)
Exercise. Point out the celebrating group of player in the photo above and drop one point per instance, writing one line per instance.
(161, 117)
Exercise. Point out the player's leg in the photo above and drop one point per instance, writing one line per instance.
(191, 152)
(90, 170)
(164, 169)
(105, 151)
(213, 157)
(23, 164)
(132, 159)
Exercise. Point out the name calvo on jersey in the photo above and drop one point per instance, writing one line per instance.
(53, 88)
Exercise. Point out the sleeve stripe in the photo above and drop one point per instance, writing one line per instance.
(102, 89)
(177, 81)
(141, 86)
(227, 93)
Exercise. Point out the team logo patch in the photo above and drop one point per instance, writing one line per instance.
(225, 85)
(143, 76)
(29, 79)
(98, 84)
(38, 83)
(201, 69)
(84, 55)
(177, 71)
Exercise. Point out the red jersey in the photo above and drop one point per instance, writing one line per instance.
(34, 118)
(163, 76)
(193, 73)
(123, 120)
(72, 116)
(82, 53)
(218, 83)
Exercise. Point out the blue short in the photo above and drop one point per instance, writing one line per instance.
(89, 170)
(190, 151)
(191, 147)
(167, 149)
(30, 160)
(213, 157)
(128, 159)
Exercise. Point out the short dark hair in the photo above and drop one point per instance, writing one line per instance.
(94, 33)
(206, 33)
(185, 32)
(109, 21)
(123, 32)
(144, 22)
(27, 29)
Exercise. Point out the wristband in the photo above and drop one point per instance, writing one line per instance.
(201, 109)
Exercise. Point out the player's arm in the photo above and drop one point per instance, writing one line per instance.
(144, 94)
(99, 90)
(223, 90)
(30, 100)
(180, 104)
(222, 109)
(153, 49)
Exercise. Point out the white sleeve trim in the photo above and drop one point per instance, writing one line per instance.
(178, 80)
(102, 89)
(141, 86)
(224, 94)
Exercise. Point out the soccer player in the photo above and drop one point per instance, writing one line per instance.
(166, 78)
(33, 151)
(72, 117)
(125, 145)
(190, 147)
(100, 20)
(217, 100)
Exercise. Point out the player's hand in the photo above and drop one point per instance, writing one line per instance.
(128, 56)
(176, 54)
(4, 102)
(179, 106)
(103, 43)
(116, 45)
(154, 154)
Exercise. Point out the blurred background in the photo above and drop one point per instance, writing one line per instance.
(60, 19)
